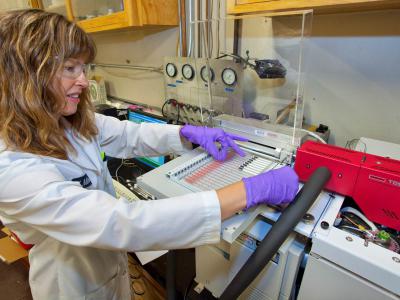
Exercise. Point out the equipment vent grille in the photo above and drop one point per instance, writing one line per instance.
(252, 293)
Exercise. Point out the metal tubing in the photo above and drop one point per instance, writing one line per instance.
(190, 10)
(278, 234)
(182, 20)
(180, 27)
(133, 67)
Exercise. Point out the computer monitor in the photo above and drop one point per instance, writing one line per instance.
(138, 116)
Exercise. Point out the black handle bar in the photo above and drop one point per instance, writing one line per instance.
(277, 234)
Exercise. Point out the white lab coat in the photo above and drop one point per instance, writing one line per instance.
(81, 235)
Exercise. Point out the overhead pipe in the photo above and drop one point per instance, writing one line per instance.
(182, 25)
(190, 10)
(131, 67)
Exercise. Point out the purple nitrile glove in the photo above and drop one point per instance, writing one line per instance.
(275, 187)
(206, 138)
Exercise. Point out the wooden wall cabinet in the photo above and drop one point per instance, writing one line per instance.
(236, 7)
(18, 4)
(102, 15)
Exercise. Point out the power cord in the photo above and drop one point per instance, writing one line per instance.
(314, 135)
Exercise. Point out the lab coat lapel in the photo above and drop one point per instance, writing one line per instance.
(87, 154)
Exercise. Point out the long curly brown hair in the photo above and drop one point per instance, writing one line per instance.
(34, 45)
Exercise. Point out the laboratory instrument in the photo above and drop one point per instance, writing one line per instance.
(331, 251)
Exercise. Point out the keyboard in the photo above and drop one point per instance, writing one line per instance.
(123, 191)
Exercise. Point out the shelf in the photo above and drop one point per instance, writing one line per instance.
(236, 7)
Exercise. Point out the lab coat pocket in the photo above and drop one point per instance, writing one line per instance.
(116, 288)
(106, 291)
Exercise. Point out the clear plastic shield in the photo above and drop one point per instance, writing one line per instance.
(247, 69)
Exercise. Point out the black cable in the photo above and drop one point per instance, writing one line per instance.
(238, 57)
(174, 102)
(162, 108)
(179, 110)
(221, 56)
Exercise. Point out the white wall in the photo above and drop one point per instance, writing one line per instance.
(140, 47)
(353, 76)
(353, 72)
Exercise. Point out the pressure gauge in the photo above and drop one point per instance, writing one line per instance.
(204, 74)
(170, 68)
(229, 76)
(188, 72)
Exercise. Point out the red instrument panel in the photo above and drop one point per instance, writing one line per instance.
(372, 181)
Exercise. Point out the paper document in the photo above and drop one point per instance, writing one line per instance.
(148, 256)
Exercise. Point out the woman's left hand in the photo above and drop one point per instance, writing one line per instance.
(206, 138)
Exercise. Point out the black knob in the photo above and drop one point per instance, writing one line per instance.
(324, 225)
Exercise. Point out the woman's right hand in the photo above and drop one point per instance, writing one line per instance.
(278, 186)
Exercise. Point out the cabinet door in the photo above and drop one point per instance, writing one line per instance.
(320, 6)
(101, 15)
(90, 9)
(57, 6)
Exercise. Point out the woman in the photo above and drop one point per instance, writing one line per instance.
(56, 192)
